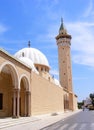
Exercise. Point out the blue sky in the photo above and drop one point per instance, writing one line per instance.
(39, 22)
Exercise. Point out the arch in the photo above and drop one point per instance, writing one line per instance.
(26, 81)
(13, 72)
(9, 89)
(66, 101)
(24, 95)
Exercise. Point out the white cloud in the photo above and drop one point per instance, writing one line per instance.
(85, 59)
(82, 34)
(89, 11)
(82, 42)
(3, 28)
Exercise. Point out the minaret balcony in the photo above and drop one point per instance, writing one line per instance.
(64, 44)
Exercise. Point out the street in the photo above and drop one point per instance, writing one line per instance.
(83, 120)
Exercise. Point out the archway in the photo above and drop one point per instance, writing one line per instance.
(66, 102)
(8, 82)
(24, 96)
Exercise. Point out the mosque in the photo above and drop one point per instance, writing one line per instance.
(26, 86)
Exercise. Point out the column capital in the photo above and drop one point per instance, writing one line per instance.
(28, 92)
(16, 89)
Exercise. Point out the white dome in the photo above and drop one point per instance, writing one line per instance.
(33, 54)
(28, 62)
(57, 82)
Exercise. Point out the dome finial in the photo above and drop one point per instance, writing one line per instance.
(29, 44)
(61, 20)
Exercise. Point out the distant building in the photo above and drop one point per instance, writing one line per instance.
(87, 101)
(26, 86)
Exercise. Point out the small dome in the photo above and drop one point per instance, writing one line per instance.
(57, 82)
(28, 62)
(33, 54)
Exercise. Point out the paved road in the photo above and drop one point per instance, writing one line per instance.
(83, 120)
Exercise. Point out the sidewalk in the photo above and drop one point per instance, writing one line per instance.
(33, 123)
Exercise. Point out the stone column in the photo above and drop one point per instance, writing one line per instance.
(25, 104)
(28, 103)
(18, 97)
(71, 101)
(14, 104)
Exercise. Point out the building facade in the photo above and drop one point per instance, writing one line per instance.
(26, 86)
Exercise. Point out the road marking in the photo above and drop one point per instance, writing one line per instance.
(64, 126)
(83, 126)
(73, 126)
(92, 126)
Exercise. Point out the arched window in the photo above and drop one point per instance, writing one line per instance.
(41, 69)
(37, 68)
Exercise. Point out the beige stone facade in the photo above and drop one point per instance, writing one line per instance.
(25, 93)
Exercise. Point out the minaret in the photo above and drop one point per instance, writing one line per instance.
(63, 40)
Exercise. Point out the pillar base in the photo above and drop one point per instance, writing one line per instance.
(15, 117)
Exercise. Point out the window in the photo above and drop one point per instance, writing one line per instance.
(1, 101)
(41, 69)
(37, 68)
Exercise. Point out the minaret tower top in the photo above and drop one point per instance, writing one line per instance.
(63, 32)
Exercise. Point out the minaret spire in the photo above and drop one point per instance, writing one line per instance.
(61, 26)
(62, 29)
(61, 20)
